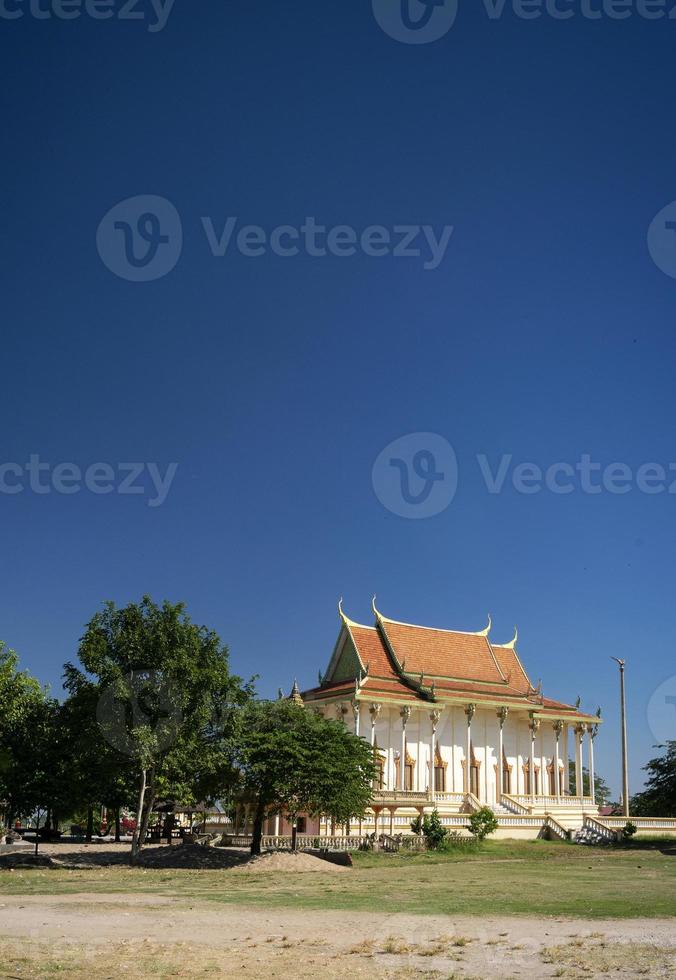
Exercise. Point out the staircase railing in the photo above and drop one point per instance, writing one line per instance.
(514, 805)
(557, 828)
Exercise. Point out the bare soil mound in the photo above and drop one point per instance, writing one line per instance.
(287, 861)
(10, 861)
(193, 856)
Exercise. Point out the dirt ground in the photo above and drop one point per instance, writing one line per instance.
(100, 935)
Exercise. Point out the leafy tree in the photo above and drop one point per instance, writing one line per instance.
(27, 736)
(99, 774)
(291, 758)
(658, 799)
(600, 785)
(165, 700)
(482, 823)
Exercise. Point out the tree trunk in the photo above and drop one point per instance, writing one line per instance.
(147, 810)
(117, 825)
(90, 823)
(37, 830)
(139, 813)
(294, 833)
(257, 831)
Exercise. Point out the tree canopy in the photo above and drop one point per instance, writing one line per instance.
(291, 758)
(658, 799)
(165, 700)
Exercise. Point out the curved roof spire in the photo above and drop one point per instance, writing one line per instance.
(512, 643)
(375, 610)
(340, 609)
(486, 631)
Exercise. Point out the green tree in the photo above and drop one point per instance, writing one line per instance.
(600, 785)
(291, 758)
(26, 716)
(165, 700)
(482, 823)
(99, 775)
(658, 799)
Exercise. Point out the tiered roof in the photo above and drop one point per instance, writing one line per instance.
(404, 663)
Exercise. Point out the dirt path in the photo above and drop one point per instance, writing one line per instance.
(253, 943)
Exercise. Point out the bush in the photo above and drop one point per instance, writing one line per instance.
(629, 830)
(482, 823)
(431, 828)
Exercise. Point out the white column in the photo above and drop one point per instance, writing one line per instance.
(469, 712)
(534, 725)
(277, 825)
(355, 712)
(374, 711)
(579, 735)
(592, 735)
(567, 775)
(405, 715)
(434, 719)
(502, 718)
(558, 728)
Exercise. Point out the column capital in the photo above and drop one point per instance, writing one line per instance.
(374, 710)
(580, 731)
(355, 707)
(341, 711)
(558, 729)
(405, 714)
(593, 731)
(502, 715)
(470, 711)
(534, 725)
(434, 718)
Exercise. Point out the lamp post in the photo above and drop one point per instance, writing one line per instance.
(625, 764)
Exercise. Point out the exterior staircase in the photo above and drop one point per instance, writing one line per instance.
(501, 811)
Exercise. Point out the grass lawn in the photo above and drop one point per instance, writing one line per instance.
(501, 877)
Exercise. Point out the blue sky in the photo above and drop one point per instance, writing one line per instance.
(545, 333)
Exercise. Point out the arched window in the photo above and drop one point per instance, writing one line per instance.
(409, 772)
(474, 773)
(439, 772)
(506, 775)
(527, 782)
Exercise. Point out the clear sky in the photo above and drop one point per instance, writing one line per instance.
(545, 332)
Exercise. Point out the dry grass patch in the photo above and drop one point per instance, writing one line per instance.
(593, 958)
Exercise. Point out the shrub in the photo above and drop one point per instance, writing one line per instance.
(629, 829)
(482, 823)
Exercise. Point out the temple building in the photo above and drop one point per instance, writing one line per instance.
(456, 723)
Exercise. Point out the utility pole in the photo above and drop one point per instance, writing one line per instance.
(625, 763)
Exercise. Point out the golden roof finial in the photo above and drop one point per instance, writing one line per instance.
(486, 631)
(512, 643)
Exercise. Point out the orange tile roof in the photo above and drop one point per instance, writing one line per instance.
(371, 650)
(395, 654)
(512, 668)
(442, 653)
